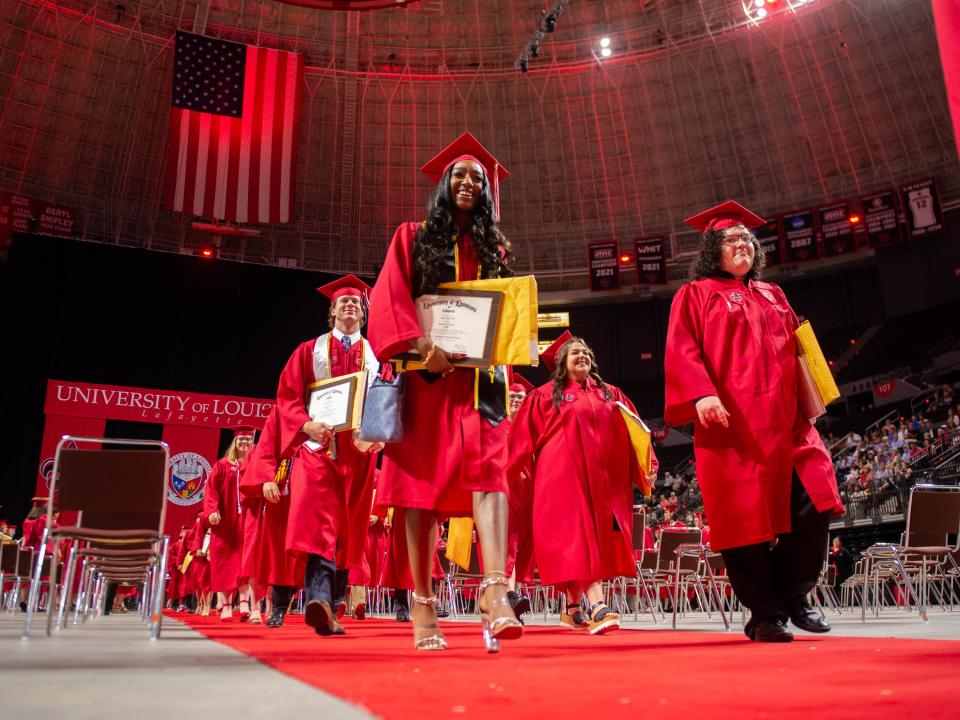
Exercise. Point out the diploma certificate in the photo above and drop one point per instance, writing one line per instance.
(338, 402)
(460, 321)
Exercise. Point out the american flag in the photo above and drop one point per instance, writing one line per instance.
(233, 130)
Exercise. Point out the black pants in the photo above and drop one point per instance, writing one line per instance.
(771, 582)
(320, 579)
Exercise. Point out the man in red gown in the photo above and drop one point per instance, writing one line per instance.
(768, 482)
(331, 486)
(223, 512)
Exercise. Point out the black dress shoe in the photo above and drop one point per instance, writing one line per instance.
(276, 620)
(806, 618)
(403, 614)
(770, 631)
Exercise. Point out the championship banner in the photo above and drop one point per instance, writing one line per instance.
(651, 261)
(768, 236)
(921, 206)
(193, 451)
(169, 407)
(880, 219)
(22, 214)
(604, 266)
(799, 233)
(835, 229)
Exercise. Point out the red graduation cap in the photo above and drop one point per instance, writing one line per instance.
(346, 285)
(549, 356)
(467, 147)
(518, 383)
(726, 214)
(239, 430)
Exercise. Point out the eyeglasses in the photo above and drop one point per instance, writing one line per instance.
(734, 240)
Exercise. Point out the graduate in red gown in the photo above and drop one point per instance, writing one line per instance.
(197, 575)
(175, 585)
(520, 556)
(267, 477)
(452, 458)
(584, 469)
(223, 512)
(331, 484)
(731, 368)
(253, 510)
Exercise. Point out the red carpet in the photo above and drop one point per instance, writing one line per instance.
(632, 673)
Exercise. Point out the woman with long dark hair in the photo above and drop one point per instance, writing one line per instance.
(572, 433)
(768, 483)
(452, 459)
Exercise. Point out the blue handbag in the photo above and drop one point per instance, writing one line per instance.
(382, 419)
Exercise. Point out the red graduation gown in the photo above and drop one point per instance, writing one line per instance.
(448, 450)
(520, 554)
(198, 573)
(222, 495)
(736, 341)
(584, 468)
(175, 583)
(330, 498)
(274, 566)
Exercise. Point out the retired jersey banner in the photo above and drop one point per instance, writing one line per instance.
(798, 231)
(880, 218)
(22, 214)
(170, 407)
(921, 208)
(768, 235)
(835, 229)
(604, 266)
(651, 261)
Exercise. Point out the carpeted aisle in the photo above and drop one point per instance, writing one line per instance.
(631, 673)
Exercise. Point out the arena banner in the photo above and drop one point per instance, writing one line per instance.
(169, 407)
(887, 392)
(768, 235)
(54, 428)
(921, 208)
(880, 218)
(604, 266)
(801, 242)
(651, 261)
(23, 214)
(193, 452)
(836, 232)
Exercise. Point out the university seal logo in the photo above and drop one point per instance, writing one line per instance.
(188, 476)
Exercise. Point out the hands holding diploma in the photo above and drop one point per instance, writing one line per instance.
(436, 359)
(318, 432)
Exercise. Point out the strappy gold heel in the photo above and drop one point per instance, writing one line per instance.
(432, 642)
(505, 627)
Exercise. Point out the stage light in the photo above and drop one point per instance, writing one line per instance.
(207, 252)
(605, 42)
(606, 52)
(550, 23)
(535, 50)
(625, 259)
(761, 13)
(522, 64)
(854, 219)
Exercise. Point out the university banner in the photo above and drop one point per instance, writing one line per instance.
(604, 266)
(880, 219)
(168, 407)
(835, 229)
(193, 451)
(768, 235)
(799, 234)
(56, 427)
(651, 261)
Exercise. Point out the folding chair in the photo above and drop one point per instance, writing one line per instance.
(119, 494)
(933, 517)
(644, 573)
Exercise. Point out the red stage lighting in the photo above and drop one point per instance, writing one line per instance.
(854, 219)
(625, 259)
(207, 252)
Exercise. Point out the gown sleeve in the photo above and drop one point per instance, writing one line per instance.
(526, 430)
(291, 406)
(393, 315)
(687, 379)
(211, 493)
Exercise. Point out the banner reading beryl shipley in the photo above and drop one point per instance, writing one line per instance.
(171, 407)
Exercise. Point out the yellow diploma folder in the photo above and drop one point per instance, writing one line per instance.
(460, 541)
(186, 562)
(516, 339)
(641, 442)
(816, 387)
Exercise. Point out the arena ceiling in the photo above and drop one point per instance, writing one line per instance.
(695, 104)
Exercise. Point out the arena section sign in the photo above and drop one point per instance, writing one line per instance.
(191, 427)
